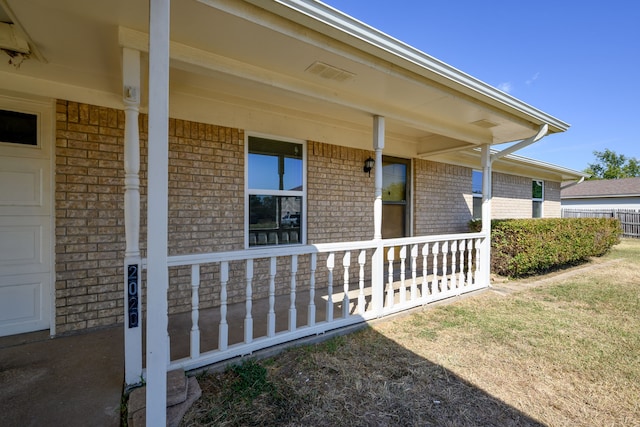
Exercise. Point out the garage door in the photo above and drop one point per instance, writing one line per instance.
(25, 216)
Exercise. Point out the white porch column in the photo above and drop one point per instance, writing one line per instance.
(378, 145)
(485, 261)
(377, 273)
(132, 278)
(157, 213)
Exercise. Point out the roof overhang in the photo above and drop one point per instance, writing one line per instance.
(293, 67)
(513, 164)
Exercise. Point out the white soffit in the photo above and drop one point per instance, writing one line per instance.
(350, 30)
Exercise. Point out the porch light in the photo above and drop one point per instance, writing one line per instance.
(368, 165)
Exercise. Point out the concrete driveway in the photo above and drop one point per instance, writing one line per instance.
(66, 381)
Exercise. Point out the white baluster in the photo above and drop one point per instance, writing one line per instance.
(248, 320)
(470, 262)
(311, 312)
(478, 262)
(292, 294)
(454, 252)
(462, 279)
(362, 259)
(271, 317)
(445, 251)
(195, 311)
(223, 334)
(390, 290)
(330, 266)
(425, 265)
(435, 287)
(403, 266)
(414, 273)
(346, 262)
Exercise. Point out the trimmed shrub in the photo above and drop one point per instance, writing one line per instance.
(522, 247)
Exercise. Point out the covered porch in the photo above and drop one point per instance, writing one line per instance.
(312, 288)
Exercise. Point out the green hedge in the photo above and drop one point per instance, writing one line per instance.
(522, 247)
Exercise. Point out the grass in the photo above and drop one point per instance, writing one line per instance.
(563, 351)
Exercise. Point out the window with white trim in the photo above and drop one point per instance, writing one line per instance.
(275, 192)
(537, 196)
(476, 192)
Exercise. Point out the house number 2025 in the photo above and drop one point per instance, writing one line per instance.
(132, 292)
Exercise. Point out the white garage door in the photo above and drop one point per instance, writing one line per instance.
(25, 216)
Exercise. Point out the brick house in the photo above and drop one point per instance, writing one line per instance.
(253, 185)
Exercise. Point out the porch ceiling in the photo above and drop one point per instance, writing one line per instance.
(255, 59)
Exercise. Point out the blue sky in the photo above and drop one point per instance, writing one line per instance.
(576, 60)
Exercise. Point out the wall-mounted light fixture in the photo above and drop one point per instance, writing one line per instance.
(368, 165)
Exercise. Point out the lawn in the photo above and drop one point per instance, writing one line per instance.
(560, 350)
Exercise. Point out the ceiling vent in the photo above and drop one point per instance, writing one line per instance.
(329, 72)
(483, 123)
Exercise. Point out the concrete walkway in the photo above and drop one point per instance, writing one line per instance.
(67, 381)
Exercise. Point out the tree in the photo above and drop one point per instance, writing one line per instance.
(610, 165)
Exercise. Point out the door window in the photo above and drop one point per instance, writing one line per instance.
(394, 197)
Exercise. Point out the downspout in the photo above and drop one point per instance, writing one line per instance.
(487, 163)
(542, 132)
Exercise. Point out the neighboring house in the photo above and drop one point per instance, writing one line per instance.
(238, 174)
(602, 194)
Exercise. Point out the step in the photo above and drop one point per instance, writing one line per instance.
(182, 392)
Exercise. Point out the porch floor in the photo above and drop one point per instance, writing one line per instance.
(67, 381)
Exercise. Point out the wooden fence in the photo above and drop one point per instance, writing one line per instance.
(629, 218)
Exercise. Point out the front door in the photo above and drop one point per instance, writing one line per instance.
(25, 216)
(395, 196)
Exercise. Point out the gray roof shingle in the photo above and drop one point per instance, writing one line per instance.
(624, 187)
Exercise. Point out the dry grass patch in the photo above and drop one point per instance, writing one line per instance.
(563, 353)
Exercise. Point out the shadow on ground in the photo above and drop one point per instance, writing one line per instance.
(361, 379)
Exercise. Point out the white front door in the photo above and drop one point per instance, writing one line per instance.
(26, 259)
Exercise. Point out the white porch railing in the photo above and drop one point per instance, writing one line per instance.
(336, 284)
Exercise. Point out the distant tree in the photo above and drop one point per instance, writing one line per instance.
(610, 165)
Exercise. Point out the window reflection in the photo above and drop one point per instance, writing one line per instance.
(394, 182)
(276, 192)
(274, 220)
(476, 182)
(274, 165)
